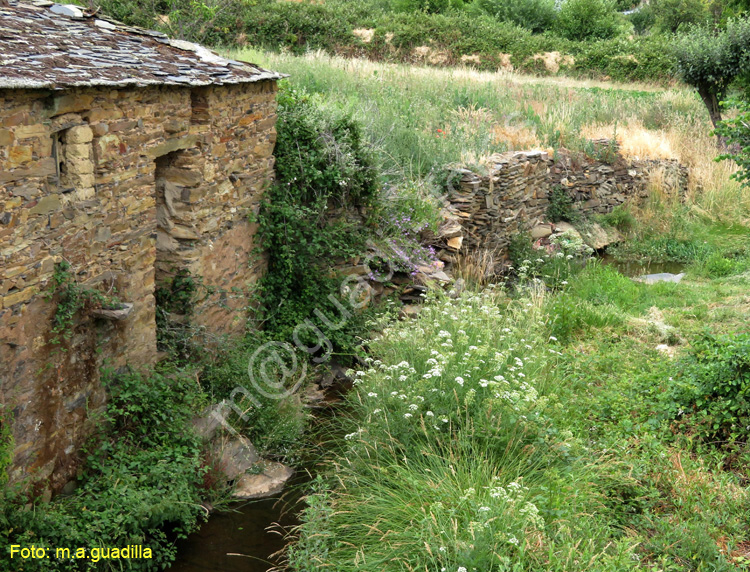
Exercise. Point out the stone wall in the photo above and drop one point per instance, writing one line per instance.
(129, 186)
(513, 195)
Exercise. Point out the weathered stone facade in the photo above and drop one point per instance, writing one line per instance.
(128, 184)
(513, 196)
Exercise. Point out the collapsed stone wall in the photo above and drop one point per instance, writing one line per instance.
(128, 186)
(514, 194)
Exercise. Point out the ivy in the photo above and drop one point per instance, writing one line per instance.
(72, 298)
(324, 174)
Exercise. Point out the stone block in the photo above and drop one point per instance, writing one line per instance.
(78, 135)
(6, 137)
(46, 205)
(18, 155)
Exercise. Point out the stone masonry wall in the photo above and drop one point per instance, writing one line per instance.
(125, 184)
(513, 195)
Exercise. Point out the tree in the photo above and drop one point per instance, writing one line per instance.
(670, 15)
(581, 20)
(711, 60)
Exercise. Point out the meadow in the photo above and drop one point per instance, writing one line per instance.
(598, 424)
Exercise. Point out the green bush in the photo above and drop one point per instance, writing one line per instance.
(534, 15)
(643, 19)
(711, 393)
(736, 133)
(561, 207)
(587, 19)
(141, 481)
(428, 6)
(322, 164)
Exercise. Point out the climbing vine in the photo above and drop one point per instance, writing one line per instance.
(72, 298)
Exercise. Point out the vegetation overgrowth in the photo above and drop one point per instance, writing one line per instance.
(547, 431)
(619, 39)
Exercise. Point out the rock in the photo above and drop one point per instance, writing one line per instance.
(313, 396)
(458, 288)
(598, 237)
(665, 349)
(120, 313)
(269, 482)
(455, 242)
(409, 311)
(207, 425)
(439, 276)
(237, 457)
(541, 231)
(661, 277)
(563, 226)
(69, 10)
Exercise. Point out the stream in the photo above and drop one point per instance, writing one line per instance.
(633, 268)
(245, 538)
(237, 541)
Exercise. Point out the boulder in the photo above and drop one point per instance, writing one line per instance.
(237, 457)
(661, 277)
(541, 231)
(269, 481)
(598, 237)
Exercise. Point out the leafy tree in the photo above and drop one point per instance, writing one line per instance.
(534, 15)
(588, 19)
(672, 14)
(711, 60)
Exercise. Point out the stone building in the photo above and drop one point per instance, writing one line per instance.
(130, 156)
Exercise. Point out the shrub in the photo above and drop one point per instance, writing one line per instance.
(711, 393)
(587, 19)
(534, 15)
(736, 133)
(643, 18)
(711, 60)
(140, 483)
(428, 6)
(561, 206)
(322, 164)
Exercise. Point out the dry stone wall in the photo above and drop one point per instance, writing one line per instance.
(513, 195)
(129, 186)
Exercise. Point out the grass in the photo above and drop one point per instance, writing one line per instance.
(420, 119)
(540, 432)
(479, 442)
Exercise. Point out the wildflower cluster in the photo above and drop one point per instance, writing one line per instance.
(555, 262)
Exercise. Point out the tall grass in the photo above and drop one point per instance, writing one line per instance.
(455, 459)
(421, 119)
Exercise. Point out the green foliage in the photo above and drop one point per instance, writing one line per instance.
(274, 425)
(581, 20)
(736, 132)
(427, 6)
(711, 394)
(217, 22)
(643, 19)
(711, 60)
(620, 218)
(670, 15)
(561, 206)
(140, 483)
(534, 15)
(71, 298)
(322, 163)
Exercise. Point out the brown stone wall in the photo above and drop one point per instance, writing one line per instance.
(513, 195)
(79, 181)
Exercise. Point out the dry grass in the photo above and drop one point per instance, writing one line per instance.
(508, 111)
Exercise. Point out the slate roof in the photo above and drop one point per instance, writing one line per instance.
(53, 46)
